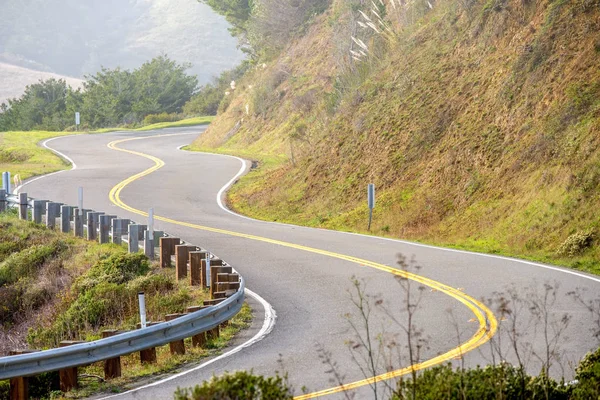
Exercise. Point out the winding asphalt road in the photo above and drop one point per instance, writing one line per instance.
(306, 274)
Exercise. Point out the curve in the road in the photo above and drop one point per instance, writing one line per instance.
(487, 322)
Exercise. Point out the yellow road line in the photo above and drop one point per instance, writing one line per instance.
(488, 324)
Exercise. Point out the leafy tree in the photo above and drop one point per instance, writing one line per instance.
(42, 106)
(162, 85)
(109, 98)
(236, 12)
(208, 98)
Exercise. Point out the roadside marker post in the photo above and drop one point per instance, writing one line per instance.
(207, 263)
(6, 182)
(142, 302)
(77, 120)
(371, 202)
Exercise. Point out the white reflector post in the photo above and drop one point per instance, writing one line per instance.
(151, 222)
(80, 204)
(142, 300)
(207, 269)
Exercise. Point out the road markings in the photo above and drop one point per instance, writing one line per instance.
(488, 324)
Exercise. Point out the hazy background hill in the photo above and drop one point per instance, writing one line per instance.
(74, 38)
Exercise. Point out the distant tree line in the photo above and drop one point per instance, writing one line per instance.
(112, 97)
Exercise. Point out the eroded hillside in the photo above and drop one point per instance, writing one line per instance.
(479, 123)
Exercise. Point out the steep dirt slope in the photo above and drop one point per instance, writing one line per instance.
(479, 123)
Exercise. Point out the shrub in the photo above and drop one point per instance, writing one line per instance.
(162, 117)
(241, 385)
(491, 382)
(576, 243)
(588, 377)
(27, 261)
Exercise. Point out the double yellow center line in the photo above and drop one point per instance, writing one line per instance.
(488, 324)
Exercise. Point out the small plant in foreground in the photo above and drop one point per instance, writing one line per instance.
(241, 385)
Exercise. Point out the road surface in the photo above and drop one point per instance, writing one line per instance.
(306, 275)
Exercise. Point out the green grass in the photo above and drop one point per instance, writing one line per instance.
(162, 125)
(20, 153)
(63, 287)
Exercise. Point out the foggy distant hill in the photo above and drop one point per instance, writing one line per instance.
(74, 37)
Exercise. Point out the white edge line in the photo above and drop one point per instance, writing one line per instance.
(63, 156)
(427, 246)
(267, 327)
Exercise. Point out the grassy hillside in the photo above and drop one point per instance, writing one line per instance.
(478, 121)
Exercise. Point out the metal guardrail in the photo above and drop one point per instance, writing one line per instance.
(124, 343)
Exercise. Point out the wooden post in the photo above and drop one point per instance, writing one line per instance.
(19, 386)
(213, 333)
(52, 211)
(68, 376)
(182, 255)
(148, 356)
(212, 302)
(78, 223)
(112, 366)
(167, 249)
(196, 262)
(93, 220)
(2, 200)
(23, 206)
(198, 340)
(178, 346)
(215, 270)
(65, 219)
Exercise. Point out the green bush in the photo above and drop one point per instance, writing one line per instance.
(241, 385)
(492, 382)
(576, 243)
(588, 377)
(27, 261)
(162, 117)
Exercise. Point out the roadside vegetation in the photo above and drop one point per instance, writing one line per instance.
(529, 339)
(154, 92)
(477, 121)
(56, 287)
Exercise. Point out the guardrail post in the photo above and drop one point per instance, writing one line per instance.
(36, 214)
(213, 333)
(2, 200)
(167, 249)
(149, 245)
(19, 387)
(52, 210)
(133, 238)
(105, 221)
(148, 356)
(65, 219)
(93, 221)
(178, 346)
(198, 340)
(112, 366)
(118, 226)
(23, 206)
(68, 376)
(78, 222)
(196, 262)
(182, 255)
(216, 267)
